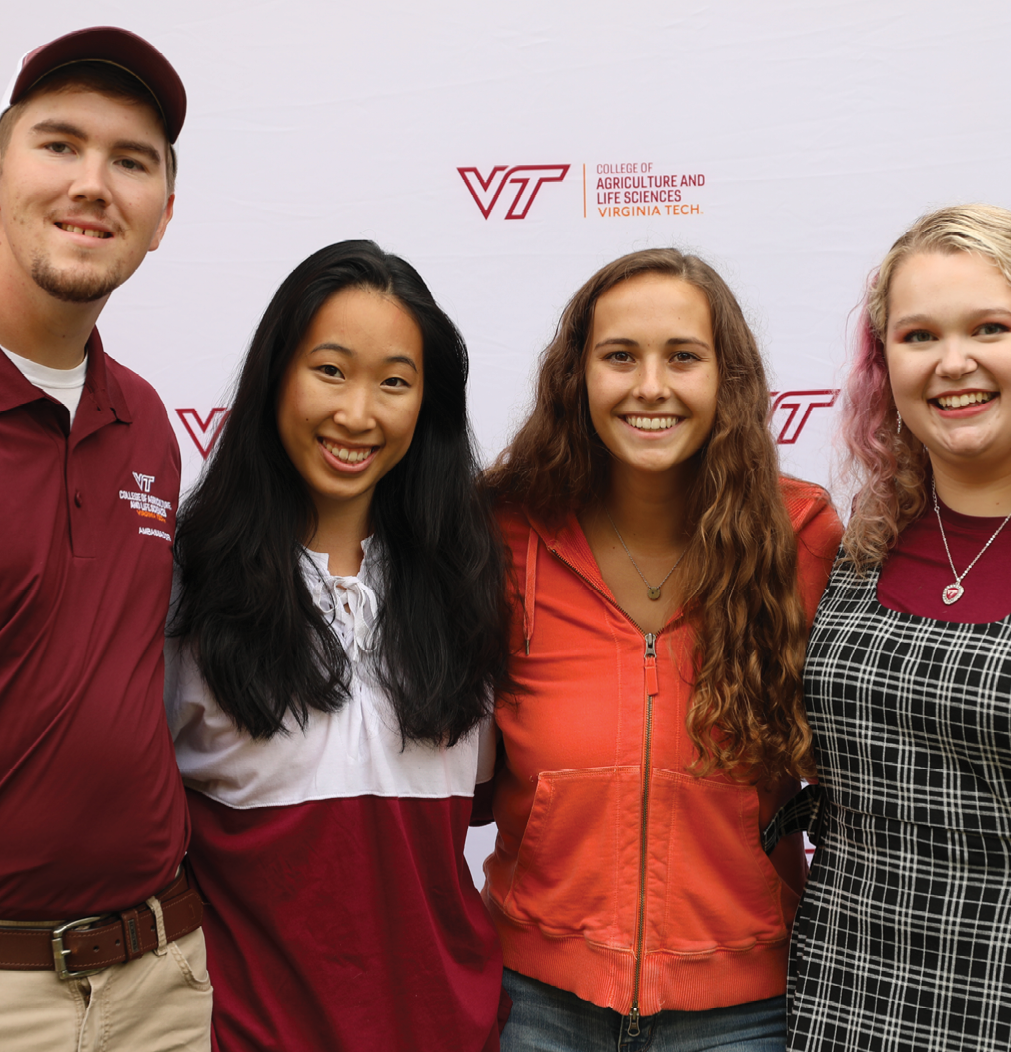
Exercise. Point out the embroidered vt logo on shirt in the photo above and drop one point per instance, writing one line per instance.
(146, 504)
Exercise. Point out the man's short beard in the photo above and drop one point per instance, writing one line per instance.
(74, 288)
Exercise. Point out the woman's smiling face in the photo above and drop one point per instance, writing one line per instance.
(948, 349)
(350, 396)
(651, 372)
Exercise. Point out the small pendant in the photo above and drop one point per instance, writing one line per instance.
(952, 593)
(654, 593)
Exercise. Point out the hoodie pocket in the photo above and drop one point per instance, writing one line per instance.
(576, 867)
(720, 888)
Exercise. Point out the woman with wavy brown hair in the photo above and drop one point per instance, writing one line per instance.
(665, 574)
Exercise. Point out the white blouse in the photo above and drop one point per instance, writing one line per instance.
(355, 751)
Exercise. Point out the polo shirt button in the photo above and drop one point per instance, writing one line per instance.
(78, 499)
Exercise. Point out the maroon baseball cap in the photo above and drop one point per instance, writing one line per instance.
(106, 44)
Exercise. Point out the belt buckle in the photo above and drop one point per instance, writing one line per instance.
(60, 953)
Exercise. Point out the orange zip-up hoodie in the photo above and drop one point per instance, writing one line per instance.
(617, 875)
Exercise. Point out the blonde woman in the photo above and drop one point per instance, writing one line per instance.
(902, 939)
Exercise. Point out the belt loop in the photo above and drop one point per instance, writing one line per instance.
(159, 918)
(130, 919)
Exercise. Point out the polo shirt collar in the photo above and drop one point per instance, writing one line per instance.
(103, 397)
(101, 385)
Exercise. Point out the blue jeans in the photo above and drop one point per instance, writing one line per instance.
(546, 1019)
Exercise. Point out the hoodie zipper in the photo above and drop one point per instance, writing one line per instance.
(652, 689)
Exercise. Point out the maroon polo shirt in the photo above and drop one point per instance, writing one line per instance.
(92, 810)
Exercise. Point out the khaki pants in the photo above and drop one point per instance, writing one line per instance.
(156, 1003)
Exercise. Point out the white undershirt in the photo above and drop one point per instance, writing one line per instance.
(65, 385)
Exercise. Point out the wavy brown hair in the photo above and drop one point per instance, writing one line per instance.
(890, 467)
(747, 714)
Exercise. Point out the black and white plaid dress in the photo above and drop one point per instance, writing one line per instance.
(903, 938)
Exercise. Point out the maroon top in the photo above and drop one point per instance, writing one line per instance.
(917, 570)
(332, 918)
(92, 808)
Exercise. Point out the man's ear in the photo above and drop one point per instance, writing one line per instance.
(166, 216)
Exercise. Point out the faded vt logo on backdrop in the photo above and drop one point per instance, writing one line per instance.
(521, 183)
(204, 432)
(791, 410)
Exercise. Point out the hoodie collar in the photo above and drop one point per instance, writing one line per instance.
(567, 541)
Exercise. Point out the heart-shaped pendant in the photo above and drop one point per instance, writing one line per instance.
(952, 593)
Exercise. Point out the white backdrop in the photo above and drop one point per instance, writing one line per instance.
(802, 137)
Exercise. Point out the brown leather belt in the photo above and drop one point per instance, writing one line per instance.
(88, 945)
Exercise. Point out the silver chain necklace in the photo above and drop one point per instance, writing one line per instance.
(651, 592)
(954, 591)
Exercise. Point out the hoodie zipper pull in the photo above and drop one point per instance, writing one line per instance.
(649, 664)
(633, 1022)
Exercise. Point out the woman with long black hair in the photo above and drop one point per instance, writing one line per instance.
(341, 631)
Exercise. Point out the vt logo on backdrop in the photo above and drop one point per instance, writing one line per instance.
(204, 432)
(524, 182)
(617, 190)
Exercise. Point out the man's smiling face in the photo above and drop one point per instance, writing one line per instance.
(83, 193)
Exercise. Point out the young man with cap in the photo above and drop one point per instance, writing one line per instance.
(100, 944)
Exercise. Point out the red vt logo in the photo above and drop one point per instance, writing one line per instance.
(525, 179)
(791, 410)
(203, 432)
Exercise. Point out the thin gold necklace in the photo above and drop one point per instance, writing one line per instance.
(651, 592)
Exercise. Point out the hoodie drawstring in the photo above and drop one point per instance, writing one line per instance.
(530, 591)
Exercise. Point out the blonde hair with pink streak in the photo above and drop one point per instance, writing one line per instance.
(890, 468)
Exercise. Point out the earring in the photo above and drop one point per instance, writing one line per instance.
(898, 426)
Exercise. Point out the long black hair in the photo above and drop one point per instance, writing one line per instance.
(262, 645)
